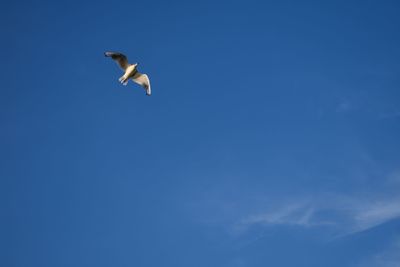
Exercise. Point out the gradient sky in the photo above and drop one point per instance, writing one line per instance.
(271, 137)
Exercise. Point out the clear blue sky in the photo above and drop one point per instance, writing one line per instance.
(271, 137)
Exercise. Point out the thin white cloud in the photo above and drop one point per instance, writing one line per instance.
(388, 258)
(343, 214)
(348, 215)
(377, 213)
(300, 214)
(291, 214)
(337, 214)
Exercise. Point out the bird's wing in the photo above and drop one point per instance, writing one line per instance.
(121, 59)
(143, 80)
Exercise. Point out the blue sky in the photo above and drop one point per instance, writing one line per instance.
(271, 137)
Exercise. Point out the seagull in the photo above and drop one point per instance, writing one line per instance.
(131, 71)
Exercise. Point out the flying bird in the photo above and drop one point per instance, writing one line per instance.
(131, 71)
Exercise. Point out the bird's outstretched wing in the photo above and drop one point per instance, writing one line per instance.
(121, 59)
(143, 80)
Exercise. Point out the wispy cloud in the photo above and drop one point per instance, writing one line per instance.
(376, 213)
(300, 213)
(293, 214)
(343, 214)
(388, 258)
(337, 214)
(346, 214)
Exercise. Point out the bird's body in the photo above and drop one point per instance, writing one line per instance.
(131, 71)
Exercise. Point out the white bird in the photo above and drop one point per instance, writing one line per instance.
(131, 71)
